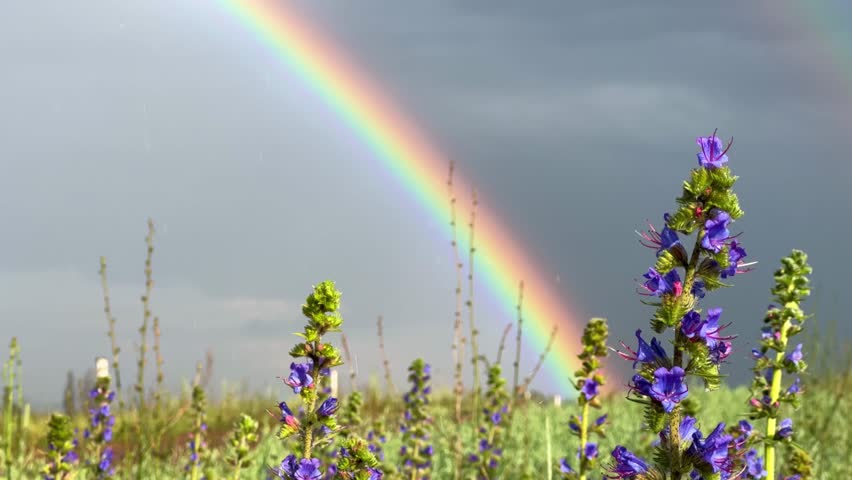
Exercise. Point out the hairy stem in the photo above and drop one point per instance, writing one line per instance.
(584, 437)
(774, 393)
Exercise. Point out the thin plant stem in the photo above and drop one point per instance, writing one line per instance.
(143, 346)
(528, 381)
(458, 338)
(519, 333)
(348, 356)
(385, 362)
(158, 390)
(111, 333)
(502, 345)
(474, 333)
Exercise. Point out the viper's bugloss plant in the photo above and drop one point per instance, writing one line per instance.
(781, 323)
(199, 452)
(318, 426)
(61, 456)
(376, 438)
(416, 451)
(243, 438)
(99, 433)
(589, 380)
(679, 280)
(492, 426)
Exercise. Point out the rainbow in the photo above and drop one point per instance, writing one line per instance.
(423, 169)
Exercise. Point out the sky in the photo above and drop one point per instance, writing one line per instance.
(575, 121)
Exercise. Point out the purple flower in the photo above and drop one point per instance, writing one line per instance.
(591, 450)
(713, 153)
(785, 428)
(641, 384)
(716, 231)
(746, 429)
(754, 464)
(564, 467)
(794, 387)
(287, 415)
(653, 353)
(590, 389)
(735, 254)
(328, 407)
(661, 241)
(658, 285)
(691, 324)
(626, 464)
(686, 429)
(698, 288)
(796, 355)
(714, 450)
(306, 469)
(669, 388)
(300, 376)
(600, 421)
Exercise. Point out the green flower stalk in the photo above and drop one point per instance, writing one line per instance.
(588, 383)
(782, 323)
(199, 453)
(416, 451)
(678, 282)
(60, 448)
(101, 424)
(492, 425)
(318, 426)
(243, 438)
(9, 405)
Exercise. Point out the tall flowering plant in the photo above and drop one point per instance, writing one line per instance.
(61, 444)
(318, 425)
(99, 433)
(492, 426)
(416, 450)
(588, 383)
(676, 285)
(773, 358)
(199, 453)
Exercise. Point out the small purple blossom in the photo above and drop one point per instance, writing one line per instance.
(735, 254)
(328, 407)
(300, 376)
(668, 388)
(627, 465)
(796, 355)
(785, 428)
(590, 389)
(794, 387)
(653, 353)
(714, 450)
(712, 154)
(754, 464)
(564, 467)
(658, 285)
(287, 415)
(591, 450)
(716, 231)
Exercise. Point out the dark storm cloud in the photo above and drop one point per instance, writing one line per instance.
(576, 121)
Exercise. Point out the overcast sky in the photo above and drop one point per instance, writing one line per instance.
(576, 120)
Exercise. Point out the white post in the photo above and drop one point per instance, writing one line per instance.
(557, 401)
(101, 367)
(333, 382)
